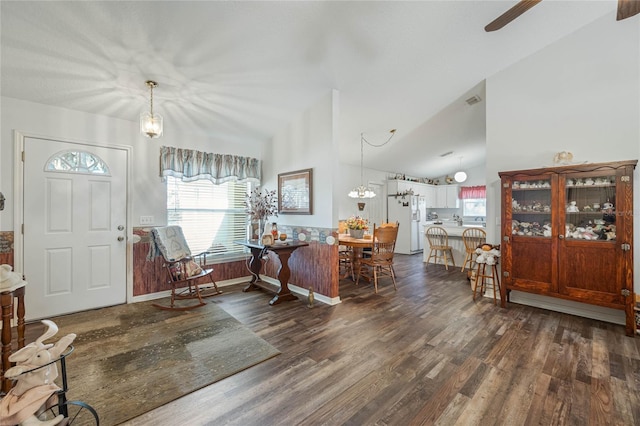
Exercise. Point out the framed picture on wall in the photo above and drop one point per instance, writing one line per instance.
(295, 192)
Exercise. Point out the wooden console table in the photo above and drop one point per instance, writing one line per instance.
(6, 302)
(283, 252)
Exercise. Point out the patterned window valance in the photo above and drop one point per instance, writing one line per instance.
(473, 192)
(190, 165)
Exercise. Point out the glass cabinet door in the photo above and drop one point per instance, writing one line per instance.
(531, 208)
(589, 207)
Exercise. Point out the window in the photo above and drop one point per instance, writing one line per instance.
(474, 201)
(77, 162)
(474, 207)
(211, 216)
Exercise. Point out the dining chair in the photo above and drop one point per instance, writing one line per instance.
(439, 247)
(345, 255)
(381, 261)
(472, 239)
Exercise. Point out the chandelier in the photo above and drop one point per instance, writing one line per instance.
(363, 191)
(150, 123)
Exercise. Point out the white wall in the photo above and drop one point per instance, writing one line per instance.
(148, 191)
(349, 179)
(579, 94)
(308, 142)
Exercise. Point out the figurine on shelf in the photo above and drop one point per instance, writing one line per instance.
(608, 212)
(572, 207)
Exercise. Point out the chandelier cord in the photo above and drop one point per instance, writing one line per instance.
(151, 100)
(393, 133)
(362, 159)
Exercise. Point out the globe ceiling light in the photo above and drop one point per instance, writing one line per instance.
(460, 176)
(363, 191)
(150, 123)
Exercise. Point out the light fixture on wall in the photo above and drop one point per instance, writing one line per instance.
(150, 123)
(363, 191)
(460, 175)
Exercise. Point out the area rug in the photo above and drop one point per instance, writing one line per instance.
(130, 359)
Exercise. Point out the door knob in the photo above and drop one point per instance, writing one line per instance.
(120, 228)
(120, 238)
(561, 236)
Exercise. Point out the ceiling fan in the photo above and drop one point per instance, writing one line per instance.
(626, 9)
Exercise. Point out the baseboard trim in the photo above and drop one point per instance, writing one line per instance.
(304, 293)
(614, 316)
(167, 293)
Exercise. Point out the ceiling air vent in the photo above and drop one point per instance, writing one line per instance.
(473, 100)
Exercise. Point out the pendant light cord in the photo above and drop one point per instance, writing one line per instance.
(362, 141)
(362, 159)
(151, 99)
(392, 131)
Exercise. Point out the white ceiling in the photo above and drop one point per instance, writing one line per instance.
(241, 71)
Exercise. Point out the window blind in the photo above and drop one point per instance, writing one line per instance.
(211, 216)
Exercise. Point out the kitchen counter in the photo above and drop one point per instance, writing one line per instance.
(455, 240)
(452, 228)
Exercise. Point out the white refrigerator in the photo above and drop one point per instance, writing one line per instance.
(409, 211)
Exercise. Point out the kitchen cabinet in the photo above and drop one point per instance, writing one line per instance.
(567, 232)
(429, 196)
(435, 196)
(447, 196)
(400, 187)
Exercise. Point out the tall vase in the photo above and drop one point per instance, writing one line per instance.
(261, 224)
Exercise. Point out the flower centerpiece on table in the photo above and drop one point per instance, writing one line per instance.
(261, 206)
(357, 225)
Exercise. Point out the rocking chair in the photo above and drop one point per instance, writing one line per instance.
(183, 272)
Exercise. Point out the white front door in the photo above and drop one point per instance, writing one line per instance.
(74, 218)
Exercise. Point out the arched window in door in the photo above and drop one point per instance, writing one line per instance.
(77, 162)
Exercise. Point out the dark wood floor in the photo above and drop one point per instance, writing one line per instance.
(426, 354)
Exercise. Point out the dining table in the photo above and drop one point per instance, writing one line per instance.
(357, 244)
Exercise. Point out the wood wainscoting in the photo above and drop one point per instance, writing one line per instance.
(314, 266)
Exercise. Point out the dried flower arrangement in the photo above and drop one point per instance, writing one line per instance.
(260, 206)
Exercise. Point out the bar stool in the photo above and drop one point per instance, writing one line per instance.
(472, 239)
(439, 246)
(487, 259)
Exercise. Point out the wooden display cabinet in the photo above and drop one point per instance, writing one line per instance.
(567, 232)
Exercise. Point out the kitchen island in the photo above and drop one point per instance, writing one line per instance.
(455, 240)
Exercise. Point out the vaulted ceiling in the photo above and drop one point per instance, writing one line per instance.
(240, 71)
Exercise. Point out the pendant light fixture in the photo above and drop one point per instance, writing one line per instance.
(460, 175)
(150, 123)
(363, 191)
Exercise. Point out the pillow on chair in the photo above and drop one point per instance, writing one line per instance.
(192, 268)
(184, 270)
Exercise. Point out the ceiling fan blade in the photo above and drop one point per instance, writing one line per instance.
(511, 14)
(627, 8)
